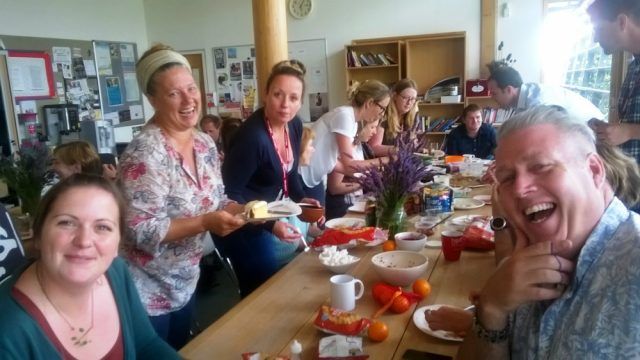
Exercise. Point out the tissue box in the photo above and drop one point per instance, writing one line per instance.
(448, 99)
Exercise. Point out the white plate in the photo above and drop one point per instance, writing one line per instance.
(466, 204)
(344, 222)
(463, 220)
(485, 198)
(422, 324)
(434, 244)
(291, 208)
(358, 207)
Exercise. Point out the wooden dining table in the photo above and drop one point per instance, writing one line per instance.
(285, 306)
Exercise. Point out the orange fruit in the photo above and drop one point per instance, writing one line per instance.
(378, 331)
(400, 304)
(389, 245)
(422, 287)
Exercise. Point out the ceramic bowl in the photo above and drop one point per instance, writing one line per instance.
(400, 268)
(410, 241)
(340, 269)
(311, 214)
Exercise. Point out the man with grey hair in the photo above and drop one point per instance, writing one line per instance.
(569, 288)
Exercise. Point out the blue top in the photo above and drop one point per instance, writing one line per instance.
(598, 315)
(482, 146)
(252, 168)
(27, 340)
(629, 106)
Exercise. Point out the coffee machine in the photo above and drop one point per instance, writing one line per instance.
(62, 123)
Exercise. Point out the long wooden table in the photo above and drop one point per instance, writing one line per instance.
(284, 307)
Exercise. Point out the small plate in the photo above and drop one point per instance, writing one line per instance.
(434, 244)
(485, 198)
(284, 208)
(463, 220)
(358, 207)
(422, 324)
(345, 222)
(466, 204)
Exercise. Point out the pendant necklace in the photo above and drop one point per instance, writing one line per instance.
(79, 339)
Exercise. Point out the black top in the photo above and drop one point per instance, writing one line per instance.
(482, 146)
(252, 168)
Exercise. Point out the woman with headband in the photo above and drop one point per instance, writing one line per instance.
(171, 176)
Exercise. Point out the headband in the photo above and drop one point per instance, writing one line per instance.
(150, 64)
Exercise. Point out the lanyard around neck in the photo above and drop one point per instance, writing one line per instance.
(283, 162)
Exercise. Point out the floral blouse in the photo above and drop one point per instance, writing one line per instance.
(159, 188)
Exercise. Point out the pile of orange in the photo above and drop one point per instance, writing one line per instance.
(378, 331)
(389, 245)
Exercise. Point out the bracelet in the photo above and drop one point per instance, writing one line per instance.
(492, 336)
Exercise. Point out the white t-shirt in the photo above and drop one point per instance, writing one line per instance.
(341, 120)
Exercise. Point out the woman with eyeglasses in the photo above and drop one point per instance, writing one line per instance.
(335, 132)
(400, 117)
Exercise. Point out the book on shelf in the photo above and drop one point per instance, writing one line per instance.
(364, 60)
(373, 60)
(496, 116)
(390, 58)
(383, 59)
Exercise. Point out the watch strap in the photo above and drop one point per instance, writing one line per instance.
(492, 336)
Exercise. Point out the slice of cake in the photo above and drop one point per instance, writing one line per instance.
(257, 209)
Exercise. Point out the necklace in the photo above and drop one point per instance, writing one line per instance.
(79, 339)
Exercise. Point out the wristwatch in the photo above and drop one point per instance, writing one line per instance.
(498, 223)
(492, 336)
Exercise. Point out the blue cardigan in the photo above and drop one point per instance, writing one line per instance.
(252, 170)
(23, 338)
(482, 146)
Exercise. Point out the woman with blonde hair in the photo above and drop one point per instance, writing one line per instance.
(171, 176)
(401, 116)
(76, 157)
(336, 131)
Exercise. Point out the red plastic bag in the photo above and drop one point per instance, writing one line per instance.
(478, 235)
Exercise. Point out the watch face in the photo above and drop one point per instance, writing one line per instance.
(300, 8)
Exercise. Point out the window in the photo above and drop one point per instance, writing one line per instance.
(570, 57)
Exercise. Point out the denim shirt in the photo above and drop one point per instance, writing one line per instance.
(598, 316)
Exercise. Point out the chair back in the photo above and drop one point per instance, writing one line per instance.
(11, 251)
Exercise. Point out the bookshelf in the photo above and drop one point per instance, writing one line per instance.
(376, 60)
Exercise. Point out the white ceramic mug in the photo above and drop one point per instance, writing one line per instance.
(468, 158)
(343, 292)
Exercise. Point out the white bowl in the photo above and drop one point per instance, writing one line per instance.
(345, 222)
(340, 269)
(400, 268)
(410, 241)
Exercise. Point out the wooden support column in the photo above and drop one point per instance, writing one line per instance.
(270, 36)
(487, 35)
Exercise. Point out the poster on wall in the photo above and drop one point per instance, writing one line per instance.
(103, 59)
(318, 105)
(247, 69)
(114, 95)
(236, 71)
(219, 58)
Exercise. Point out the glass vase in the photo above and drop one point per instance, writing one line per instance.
(391, 217)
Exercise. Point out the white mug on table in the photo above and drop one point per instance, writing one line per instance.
(343, 292)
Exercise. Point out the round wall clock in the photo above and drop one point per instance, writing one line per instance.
(300, 9)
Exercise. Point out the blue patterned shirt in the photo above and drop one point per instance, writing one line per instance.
(598, 316)
(629, 105)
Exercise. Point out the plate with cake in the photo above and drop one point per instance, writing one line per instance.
(258, 211)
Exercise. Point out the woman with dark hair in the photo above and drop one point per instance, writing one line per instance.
(77, 299)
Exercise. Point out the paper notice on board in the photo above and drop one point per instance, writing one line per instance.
(90, 67)
(103, 59)
(126, 54)
(136, 112)
(131, 87)
(114, 95)
(113, 117)
(61, 59)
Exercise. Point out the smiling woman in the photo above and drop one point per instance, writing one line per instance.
(77, 300)
(171, 173)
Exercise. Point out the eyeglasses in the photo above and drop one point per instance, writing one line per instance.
(383, 110)
(408, 99)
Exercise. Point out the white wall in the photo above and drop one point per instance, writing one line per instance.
(521, 32)
(206, 24)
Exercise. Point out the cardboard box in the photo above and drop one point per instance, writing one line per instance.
(476, 87)
(448, 99)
